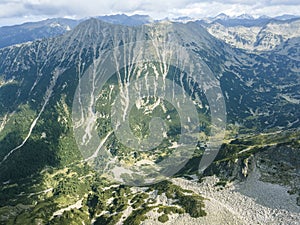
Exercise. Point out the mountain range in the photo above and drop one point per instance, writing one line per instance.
(225, 25)
(47, 179)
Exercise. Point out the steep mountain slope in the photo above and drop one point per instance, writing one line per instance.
(47, 77)
(38, 82)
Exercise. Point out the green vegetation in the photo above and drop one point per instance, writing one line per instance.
(138, 200)
(187, 200)
(221, 183)
(108, 220)
(163, 218)
(137, 216)
(193, 205)
(170, 209)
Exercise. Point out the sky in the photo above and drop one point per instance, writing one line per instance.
(19, 11)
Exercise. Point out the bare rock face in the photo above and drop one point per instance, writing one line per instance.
(245, 168)
(234, 169)
(281, 164)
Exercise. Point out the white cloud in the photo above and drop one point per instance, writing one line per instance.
(18, 10)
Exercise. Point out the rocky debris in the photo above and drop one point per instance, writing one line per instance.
(240, 208)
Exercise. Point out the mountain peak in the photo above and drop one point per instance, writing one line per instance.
(222, 16)
(245, 16)
(286, 17)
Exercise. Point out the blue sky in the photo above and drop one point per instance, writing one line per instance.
(18, 11)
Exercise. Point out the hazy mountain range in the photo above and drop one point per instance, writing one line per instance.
(10, 35)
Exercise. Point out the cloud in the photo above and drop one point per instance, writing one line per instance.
(29, 9)
(236, 7)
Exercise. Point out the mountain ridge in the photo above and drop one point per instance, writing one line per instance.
(53, 27)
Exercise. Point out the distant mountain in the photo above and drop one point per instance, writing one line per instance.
(243, 20)
(246, 20)
(221, 16)
(262, 34)
(10, 35)
(123, 19)
(183, 19)
(245, 17)
(286, 17)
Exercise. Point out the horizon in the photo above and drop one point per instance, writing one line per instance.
(21, 11)
(145, 15)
